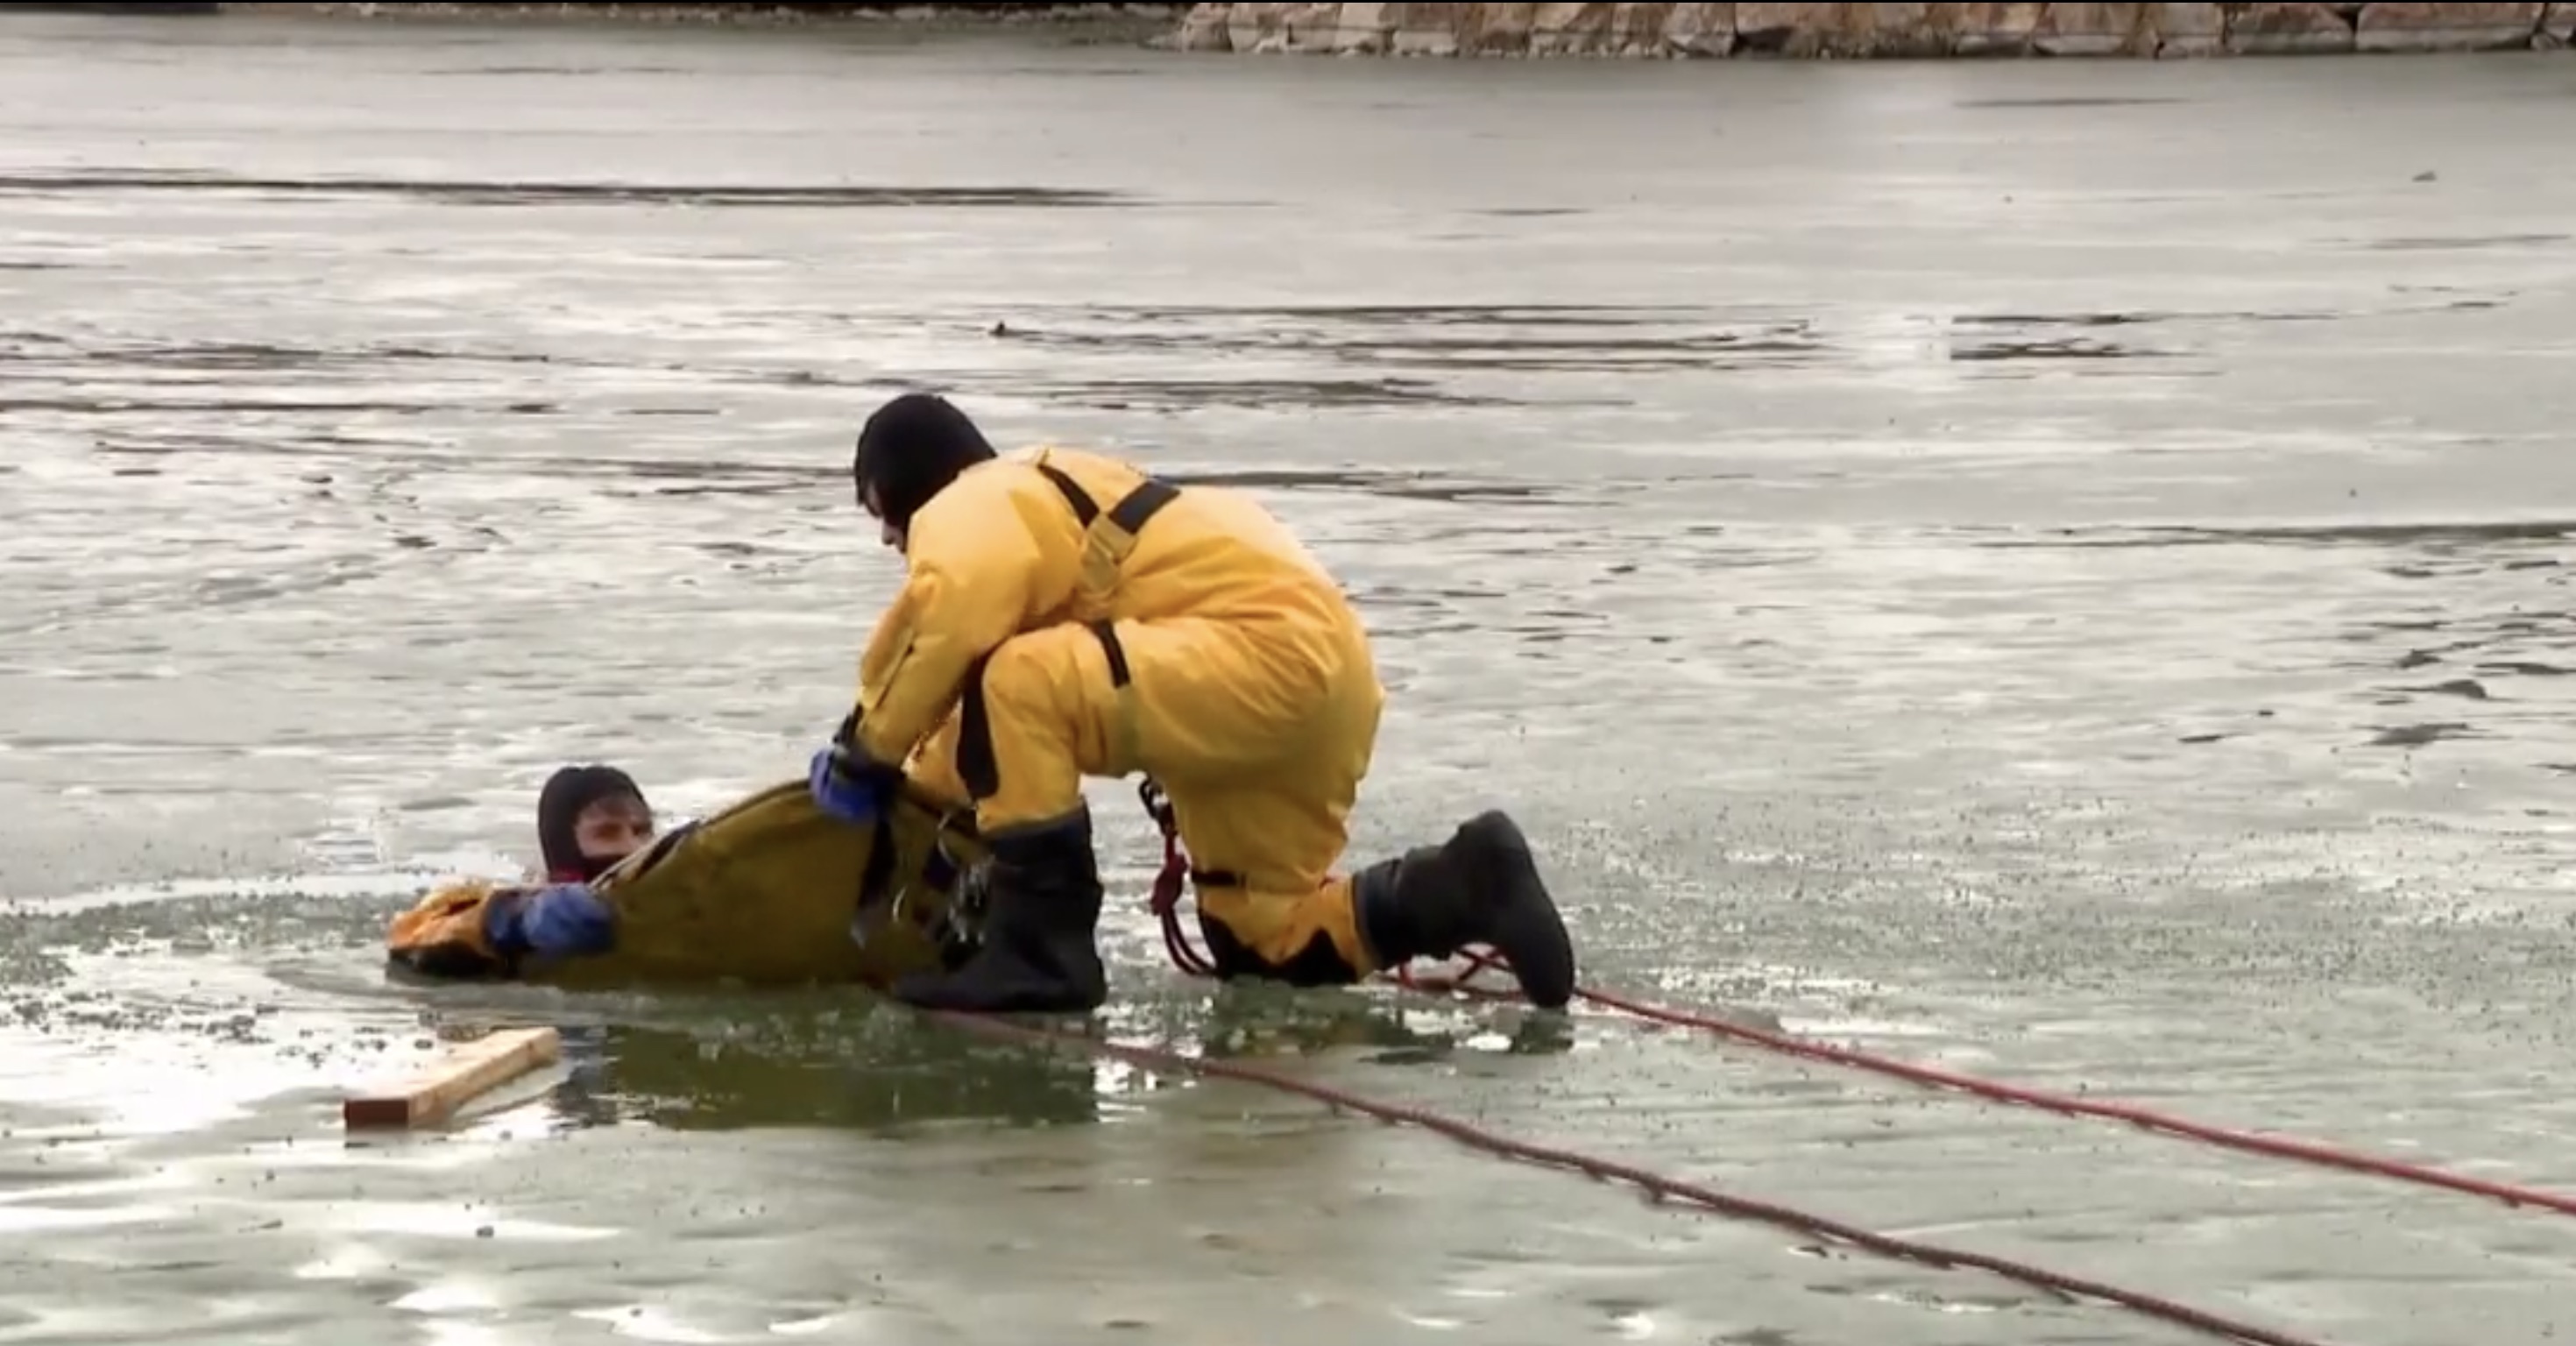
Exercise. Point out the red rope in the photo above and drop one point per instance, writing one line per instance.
(1653, 1184)
(1169, 883)
(2278, 1147)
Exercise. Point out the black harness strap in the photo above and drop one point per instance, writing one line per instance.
(1132, 512)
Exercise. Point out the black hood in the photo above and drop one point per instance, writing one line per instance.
(559, 807)
(910, 449)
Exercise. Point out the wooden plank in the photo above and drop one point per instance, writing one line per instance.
(468, 1072)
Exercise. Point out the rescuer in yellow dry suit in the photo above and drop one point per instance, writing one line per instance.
(767, 891)
(1065, 615)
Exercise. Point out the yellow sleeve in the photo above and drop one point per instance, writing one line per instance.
(443, 932)
(973, 571)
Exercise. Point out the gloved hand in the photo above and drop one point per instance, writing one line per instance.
(849, 785)
(556, 920)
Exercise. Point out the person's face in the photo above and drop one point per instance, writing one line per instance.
(612, 829)
(886, 533)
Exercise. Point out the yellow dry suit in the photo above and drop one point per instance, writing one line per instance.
(1184, 634)
(1065, 615)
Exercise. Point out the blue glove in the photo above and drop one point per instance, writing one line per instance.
(848, 786)
(554, 921)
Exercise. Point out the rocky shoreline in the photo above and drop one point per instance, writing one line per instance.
(1625, 30)
(1160, 16)
(1864, 31)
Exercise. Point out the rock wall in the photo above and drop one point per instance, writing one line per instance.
(695, 11)
(1872, 30)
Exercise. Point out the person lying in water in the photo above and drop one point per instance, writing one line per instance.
(767, 890)
(588, 819)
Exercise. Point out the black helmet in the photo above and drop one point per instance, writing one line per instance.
(910, 450)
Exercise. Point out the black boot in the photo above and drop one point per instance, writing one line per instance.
(1036, 956)
(1479, 887)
